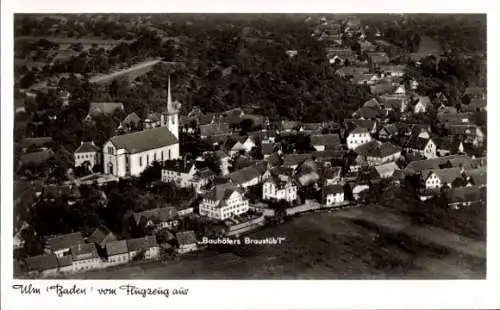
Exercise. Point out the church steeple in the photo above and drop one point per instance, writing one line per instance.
(169, 96)
(170, 116)
(172, 107)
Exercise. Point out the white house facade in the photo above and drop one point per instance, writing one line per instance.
(334, 195)
(87, 152)
(276, 189)
(223, 202)
(178, 171)
(357, 137)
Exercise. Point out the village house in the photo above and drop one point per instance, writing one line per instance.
(35, 159)
(223, 159)
(357, 137)
(333, 195)
(394, 102)
(326, 142)
(476, 177)
(463, 161)
(52, 192)
(117, 252)
(103, 108)
(312, 128)
(424, 147)
(366, 79)
(325, 158)
(18, 241)
(464, 118)
(464, 196)
(143, 248)
(247, 176)
(400, 91)
(414, 130)
(85, 257)
(422, 104)
(290, 126)
(152, 120)
(369, 113)
(36, 144)
(158, 218)
(377, 58)
(276, 188)
(372, 103)
(214, 129)
(202, 178)
(294, 160)
(386, 171)
(392, 70)
(65, 264)
(449, 146)
(388, 132)
(131, 122)
(474, 92)
(475, 105)
(357, 189)
(330, 175)
(43, 265)
(223, 201)
(61, 245)
(269, 148)
(243, 144)
(472, 133)
(87, 153)
(381, 88)
(101, 236)
(273, 160)
(384, 153)
(179, 171)
(352, 71)
(438, 178)
(443, 109)
(368, 124)
(187, 241)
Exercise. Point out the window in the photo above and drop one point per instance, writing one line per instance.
(154, 157)
(147, 159)
(169, 154)
(161, 155)
(140, 161)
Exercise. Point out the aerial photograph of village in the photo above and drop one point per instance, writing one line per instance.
(249, 146)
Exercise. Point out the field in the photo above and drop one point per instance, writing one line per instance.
(372, 242)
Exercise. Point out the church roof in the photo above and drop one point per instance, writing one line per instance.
(141, 141)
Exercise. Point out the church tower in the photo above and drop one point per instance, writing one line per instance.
(170, 116)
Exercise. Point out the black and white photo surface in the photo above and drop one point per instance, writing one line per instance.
(249, 146)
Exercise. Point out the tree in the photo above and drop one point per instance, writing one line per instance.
(246, 125)
(151, 174)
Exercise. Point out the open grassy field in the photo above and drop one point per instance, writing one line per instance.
(373, 242)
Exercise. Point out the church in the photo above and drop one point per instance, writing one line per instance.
(129, 154)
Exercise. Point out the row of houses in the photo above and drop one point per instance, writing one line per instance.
(71, 253)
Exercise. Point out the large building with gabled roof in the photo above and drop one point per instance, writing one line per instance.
(130, 154)
(224, 201)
